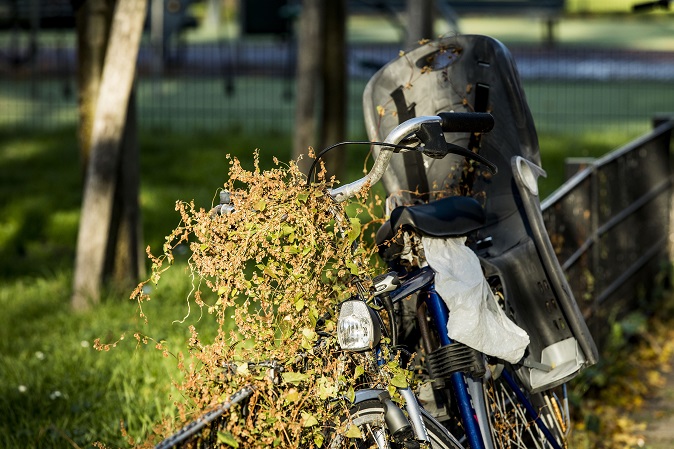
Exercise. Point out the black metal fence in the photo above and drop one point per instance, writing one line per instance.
(609, 225)
(250, 83)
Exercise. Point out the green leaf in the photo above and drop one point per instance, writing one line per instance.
(350, 394)
(308, 420)
(359, 372)
(260, 205)
(294, 378)
(354, 232)
(327, 388)
(309, 337)
(299, 304)
(228, 439)
(399, 380)
(309, 334)
(292, 396)
(353, 432)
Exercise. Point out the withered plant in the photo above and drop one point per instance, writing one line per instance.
(276, 266)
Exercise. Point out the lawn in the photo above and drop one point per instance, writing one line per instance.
(558, 106)
(56, 389)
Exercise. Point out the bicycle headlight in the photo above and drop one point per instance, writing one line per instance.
(357, 326)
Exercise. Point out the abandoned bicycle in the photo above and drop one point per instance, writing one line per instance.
(475, 307)
(483, 388)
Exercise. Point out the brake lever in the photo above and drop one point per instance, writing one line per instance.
(436, 147)
(461, 151)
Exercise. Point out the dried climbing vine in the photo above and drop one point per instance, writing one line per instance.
(267, 272)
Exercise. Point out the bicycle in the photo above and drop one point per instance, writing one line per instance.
(360, 328)
(477, 395)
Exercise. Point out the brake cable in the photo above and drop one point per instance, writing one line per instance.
(352, 142)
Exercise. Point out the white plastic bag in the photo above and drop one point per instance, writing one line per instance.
(475, 318)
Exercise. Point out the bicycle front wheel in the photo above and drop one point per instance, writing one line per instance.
(513, 424)
(368, 416)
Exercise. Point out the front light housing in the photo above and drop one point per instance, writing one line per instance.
(357, 326)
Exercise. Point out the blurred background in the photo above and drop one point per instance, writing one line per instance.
(218, 77)
(587, 65)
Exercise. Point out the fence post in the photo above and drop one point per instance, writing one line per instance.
(657, 121)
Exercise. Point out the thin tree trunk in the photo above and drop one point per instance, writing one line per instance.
(96, 222)
(93, 28)
(419, 22)
(124, 261)
(335, 91)
(308, 75)
(212, 17)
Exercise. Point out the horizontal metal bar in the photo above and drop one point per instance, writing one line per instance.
(622, 215)
(570, 185)
(636, 266)
(633, 207)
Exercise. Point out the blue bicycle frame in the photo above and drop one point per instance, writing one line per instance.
(423, 282)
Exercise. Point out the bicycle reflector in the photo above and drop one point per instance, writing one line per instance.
(357, 326)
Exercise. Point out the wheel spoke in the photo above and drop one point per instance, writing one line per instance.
(510, 424)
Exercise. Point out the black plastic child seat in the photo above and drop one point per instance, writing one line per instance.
(477, 73)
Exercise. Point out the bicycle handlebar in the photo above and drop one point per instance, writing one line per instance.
(468, 122)
(449, 121)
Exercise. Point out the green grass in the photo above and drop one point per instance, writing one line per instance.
(256, 105)
(648, 32)
(596, 107)
(55, 387)
(584, 21)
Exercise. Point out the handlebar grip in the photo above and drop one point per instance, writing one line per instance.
(467, 122)
(648, 6)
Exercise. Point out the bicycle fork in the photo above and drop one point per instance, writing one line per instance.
(469, 391)
(474, 423)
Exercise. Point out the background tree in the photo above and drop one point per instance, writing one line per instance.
(419, 22)
(108, 243)
(307, 78)
(321, 81)
(93, 19)
(335, 90)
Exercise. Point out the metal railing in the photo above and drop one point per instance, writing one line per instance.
(609, 225)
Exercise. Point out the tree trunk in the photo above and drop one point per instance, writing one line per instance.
(419, 22)
(124, 261)
(307, 81)
(212, 17)
(93, 27)
(101, 222)
(335, 89)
